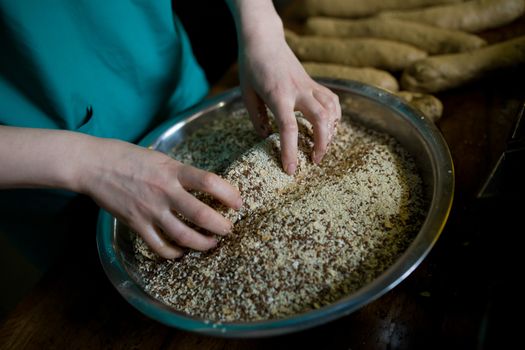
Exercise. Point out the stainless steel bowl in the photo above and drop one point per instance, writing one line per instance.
(373, 107)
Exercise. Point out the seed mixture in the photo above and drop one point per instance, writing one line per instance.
(299, 242)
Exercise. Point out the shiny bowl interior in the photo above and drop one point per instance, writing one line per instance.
(371, 106)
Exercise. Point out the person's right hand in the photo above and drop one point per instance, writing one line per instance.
(145, 189)
(142, 188)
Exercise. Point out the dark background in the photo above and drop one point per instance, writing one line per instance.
(211, 29)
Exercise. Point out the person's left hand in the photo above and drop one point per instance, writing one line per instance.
(271, 74)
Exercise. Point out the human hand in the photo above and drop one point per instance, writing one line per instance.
(145, 189)
(271, 74)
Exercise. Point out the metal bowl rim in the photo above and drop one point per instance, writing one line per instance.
(429, 233)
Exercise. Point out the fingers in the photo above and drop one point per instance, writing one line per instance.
(257, 111)
(200, 180)
(330, 102)
(201, 214)
(182, 202)
(183, 235)
(319, 117)
(179, 233)
(320, 106)
(288, 130)
(286, 122)
(159, 244)
(323, 110)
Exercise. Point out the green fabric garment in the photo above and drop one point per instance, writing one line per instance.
(107, 68)
(129, 62)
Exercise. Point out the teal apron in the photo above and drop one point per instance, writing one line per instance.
(111, 69)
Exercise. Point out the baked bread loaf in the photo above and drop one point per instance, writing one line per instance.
(438, 73)
(356, 52)
(431, 39)
(470, 16)
(367, 75)
(355, 8)
(429, 105)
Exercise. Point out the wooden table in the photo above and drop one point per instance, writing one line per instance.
(461, 296)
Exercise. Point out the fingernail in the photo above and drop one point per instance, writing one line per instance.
(316, 158)
(238, 204)
(176, 255)
(290, 168)
(226, 230)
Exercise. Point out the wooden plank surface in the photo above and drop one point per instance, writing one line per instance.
(446, 302)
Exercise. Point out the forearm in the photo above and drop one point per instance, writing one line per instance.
(31, 158)
(255, 20)
(141, 187)
(271, 76)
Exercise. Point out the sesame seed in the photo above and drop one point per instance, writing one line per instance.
(300, 242)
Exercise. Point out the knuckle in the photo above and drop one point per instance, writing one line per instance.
(329, 99)
(335, 101)
(276, 90)
(289, 125)
(183, 238)
(321, 114)
(182, 169)
(208, 181)
(164, 217)
(140, 209)
(200, 216)
(158, 245)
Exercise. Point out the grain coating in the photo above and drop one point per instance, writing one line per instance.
(300, 242)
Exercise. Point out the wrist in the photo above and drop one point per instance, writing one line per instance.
(93, 158)
(80, 163)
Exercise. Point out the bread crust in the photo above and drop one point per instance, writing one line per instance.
(431, 39)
